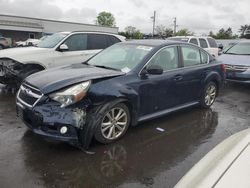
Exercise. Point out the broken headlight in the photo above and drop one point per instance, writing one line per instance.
(71, 95)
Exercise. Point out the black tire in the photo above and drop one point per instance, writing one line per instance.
(25, 75)
(99, 135)
(204, 102)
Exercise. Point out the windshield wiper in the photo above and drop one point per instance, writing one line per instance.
(105, 67)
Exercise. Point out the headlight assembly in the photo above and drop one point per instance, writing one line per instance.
(72, 94)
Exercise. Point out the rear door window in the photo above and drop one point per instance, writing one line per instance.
(97, 41)
(191, 56)
(203, 43)
(212, 43)
(193, 41)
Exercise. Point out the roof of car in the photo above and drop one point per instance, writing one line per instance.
(152, 42)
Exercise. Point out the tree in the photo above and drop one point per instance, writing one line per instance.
(243, 29)
(106, 19)
(184, 32)
(163, 31)
(132, 33)
(224, 34)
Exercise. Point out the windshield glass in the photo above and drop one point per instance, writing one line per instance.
(123, 57)
(239, 49)
(51, 41)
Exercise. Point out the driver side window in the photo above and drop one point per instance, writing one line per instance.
(166, 58)
(77, 42)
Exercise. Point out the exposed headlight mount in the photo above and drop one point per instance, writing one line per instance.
(72, 94)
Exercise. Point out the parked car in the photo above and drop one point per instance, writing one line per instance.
(4, 43)
(237, 62)
(59, 49)
(227, 165)
(207, 43)
(28, 42)
(127, 83)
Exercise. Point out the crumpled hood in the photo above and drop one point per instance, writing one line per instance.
(23, 54)
(57, 78)
(235, 59)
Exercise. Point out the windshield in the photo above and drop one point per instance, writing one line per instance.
(123, 57)
(239, 49)
(51, 41)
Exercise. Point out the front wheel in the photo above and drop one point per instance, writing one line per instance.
(114, 124)
(209, 95)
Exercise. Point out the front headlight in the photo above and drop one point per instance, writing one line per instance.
(72, 94)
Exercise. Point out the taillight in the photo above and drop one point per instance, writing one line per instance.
(223, 67)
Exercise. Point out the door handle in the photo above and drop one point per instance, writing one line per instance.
(178, 78)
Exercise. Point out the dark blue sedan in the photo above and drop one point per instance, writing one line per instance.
(127, 83)
(237, 62)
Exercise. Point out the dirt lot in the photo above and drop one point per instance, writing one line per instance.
(145, 157)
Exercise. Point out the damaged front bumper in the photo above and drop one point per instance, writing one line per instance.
(46, 117)
(10, 71)
(48, 120)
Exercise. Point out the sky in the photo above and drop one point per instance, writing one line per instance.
(199, 16)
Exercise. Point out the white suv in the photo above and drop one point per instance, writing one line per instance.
(207, 43)
(59, 49)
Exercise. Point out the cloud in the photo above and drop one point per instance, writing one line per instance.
(195, 15)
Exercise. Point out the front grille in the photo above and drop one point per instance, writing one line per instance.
(28, 95)
(236, 68)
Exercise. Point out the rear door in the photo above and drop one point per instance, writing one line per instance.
(194, 69)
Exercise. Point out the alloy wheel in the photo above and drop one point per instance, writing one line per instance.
(210, 95)
(114, 123)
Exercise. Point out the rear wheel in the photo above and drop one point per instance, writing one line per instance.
(209, 95)
(114, 124)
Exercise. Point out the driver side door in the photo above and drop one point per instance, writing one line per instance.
(160, 92)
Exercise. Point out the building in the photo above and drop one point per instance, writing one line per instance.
(19, 28)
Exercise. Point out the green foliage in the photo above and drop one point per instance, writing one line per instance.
(163, 31)
(132, 33)
(223, 34)
(184, 32)
(243, 29)
(106, 19)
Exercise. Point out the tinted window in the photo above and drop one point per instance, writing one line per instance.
(193, 41)
(166, 58)
(203, 43)
(212, 43)
(191, 56)
(97, 41)
(204, 57)
(77, 42)
(113, 39)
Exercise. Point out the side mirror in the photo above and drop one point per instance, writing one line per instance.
(63, 47)
(220, 46)
(154, 69)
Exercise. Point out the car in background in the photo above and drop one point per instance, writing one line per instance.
(127, 83)
(30, 42)
(4, 43)
(227, 165)
(59, 49)
(237, 62)
(207, 43)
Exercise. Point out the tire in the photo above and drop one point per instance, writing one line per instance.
(209, 95)
(111, 127)
(25, 75)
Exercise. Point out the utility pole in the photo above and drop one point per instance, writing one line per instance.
(175, 25)
(153, 17)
